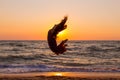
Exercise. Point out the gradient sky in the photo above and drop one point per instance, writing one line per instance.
(87, 19)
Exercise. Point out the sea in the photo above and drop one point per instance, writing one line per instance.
(25, 56)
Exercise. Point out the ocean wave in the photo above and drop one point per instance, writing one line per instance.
(23, 68)
(94, 48)
(102, 49)
(21, 57)
(33, 56)
(48, 68)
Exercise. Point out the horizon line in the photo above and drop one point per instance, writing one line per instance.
(60, 40)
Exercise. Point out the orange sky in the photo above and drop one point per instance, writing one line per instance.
(87, 19)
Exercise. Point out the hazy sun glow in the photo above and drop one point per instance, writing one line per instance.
(62, 35)
(58, 74)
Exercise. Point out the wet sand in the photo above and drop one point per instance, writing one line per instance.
(61, 76)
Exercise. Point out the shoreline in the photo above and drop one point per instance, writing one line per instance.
(61, 75)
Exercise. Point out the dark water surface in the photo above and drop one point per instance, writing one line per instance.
(81, 56)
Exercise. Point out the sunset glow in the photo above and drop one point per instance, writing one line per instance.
(58, 74)
(62, 35)
(87, 19)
